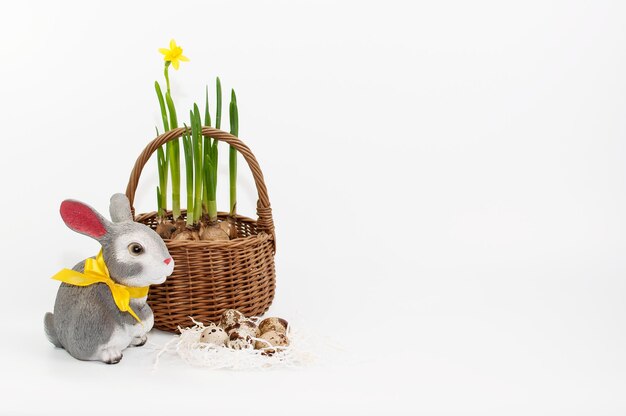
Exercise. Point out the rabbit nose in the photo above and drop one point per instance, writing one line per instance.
(167, 260)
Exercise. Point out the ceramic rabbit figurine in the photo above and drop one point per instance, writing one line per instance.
(90, 320)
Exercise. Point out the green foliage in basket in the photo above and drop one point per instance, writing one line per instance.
(201, 162)
(232, 161)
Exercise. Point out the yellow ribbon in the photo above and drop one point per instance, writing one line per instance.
(96, 271)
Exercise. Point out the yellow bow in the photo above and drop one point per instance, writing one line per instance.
(96, 272)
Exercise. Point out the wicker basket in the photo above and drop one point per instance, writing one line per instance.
(212, 276)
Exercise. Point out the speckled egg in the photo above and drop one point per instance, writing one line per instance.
(214, 335)
(239, 340)
(274, 338)
(273, 324)
(247, 328)
(230, 318)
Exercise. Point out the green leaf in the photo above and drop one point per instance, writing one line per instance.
(206, 147)
(159, 206)
(196, 131)
(232, 159)
(218, 105)
(157, 87)
(172, 111)
(207, 114)
(162, 164)
(234, 116)
(188, 151)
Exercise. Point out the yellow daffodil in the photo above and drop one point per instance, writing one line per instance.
(174, 54)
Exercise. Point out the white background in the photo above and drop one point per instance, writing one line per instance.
(447, 181)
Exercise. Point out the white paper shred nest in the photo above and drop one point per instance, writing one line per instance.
(298, 354)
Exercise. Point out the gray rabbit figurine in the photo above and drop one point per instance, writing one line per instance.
(87, 322)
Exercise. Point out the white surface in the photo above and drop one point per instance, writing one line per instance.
(445, 173)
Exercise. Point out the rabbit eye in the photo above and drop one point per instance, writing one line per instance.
(135, 249)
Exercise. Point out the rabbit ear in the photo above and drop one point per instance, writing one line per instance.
(120, 209)
(83, 219)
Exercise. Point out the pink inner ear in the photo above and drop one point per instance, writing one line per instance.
(81, 218)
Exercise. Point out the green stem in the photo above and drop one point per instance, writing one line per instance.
(166, 72)
(157, 88)
(162, 164)
(206, 148)
(212, 212)
(188, 149)
(175, 172)
(196, 133)
(209, 186)
(174, 158)
(160, 209)
(214, 153)
(172, 110)
(218, 104)
(232, 160)
(162, 160)
(207, 113)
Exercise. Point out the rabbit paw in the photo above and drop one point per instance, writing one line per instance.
(111, 356)
(139, 341)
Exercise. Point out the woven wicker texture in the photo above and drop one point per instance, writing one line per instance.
(212, 276)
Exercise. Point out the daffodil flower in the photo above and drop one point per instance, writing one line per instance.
(173, 55)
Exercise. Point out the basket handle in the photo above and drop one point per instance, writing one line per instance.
(264, 211)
